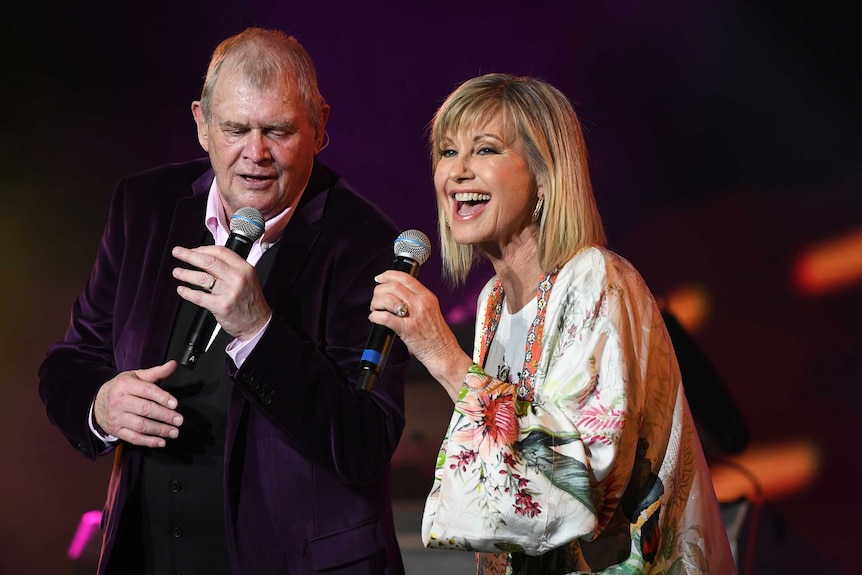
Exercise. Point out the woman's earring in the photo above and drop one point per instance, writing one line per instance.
(537, 213)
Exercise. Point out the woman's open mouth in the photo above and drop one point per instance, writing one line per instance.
(469, 203)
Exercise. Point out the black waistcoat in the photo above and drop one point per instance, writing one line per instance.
(180, 496)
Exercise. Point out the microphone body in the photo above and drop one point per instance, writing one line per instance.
(247, 225)
(412, 249)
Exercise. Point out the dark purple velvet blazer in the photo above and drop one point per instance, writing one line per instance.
(307, 474)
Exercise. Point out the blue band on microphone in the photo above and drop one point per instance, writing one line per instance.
(371, 356)
(246, 220)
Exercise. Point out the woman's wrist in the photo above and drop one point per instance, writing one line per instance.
(476, 378)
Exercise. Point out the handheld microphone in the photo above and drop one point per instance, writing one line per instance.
(246, 226)
(412, 249)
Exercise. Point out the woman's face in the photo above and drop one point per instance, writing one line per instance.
(485, 185)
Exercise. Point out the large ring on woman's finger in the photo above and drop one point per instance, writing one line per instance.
(402, 310)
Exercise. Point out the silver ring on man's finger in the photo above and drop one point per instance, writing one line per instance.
(212, 284)
(402, 310)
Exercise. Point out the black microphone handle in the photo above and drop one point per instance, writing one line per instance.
(239, 244)
(381, 337)
(204, 323)
(406, 265)
(199, 333)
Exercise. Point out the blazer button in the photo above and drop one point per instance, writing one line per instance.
(176, 532)
(266, 399)
(176, 486)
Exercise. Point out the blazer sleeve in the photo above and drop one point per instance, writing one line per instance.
(108, 329)
(75, 368)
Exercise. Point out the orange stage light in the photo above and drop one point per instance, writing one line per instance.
(766, 472)
(829, 266)
(690, 305)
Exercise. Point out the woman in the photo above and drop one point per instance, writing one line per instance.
(571, 448)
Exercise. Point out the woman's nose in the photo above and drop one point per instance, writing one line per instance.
(460, 169)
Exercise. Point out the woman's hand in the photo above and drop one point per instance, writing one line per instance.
(421, 326)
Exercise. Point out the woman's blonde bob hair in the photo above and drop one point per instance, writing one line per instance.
(543, 120)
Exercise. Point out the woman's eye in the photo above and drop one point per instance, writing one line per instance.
(486, 151)
(447, 153)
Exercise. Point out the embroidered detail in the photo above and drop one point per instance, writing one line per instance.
(493, 311)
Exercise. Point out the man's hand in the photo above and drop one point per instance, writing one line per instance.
(134, 408)
(231, 289)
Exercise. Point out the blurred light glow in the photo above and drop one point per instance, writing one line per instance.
(690, 305)
(766, 471)
(86, 534)
(829, 266)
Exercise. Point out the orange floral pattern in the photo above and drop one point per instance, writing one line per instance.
(601, 463)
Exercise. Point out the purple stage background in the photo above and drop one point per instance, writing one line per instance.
(724, 139)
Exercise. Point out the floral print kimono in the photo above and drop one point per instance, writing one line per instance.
(590, 463)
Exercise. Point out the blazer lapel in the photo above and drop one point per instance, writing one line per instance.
(187, 229)
(298, 238)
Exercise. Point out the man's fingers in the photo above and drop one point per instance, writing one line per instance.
(150, 377)
(204, 257)
(152, 411)
(157, 373)
(144, 439)
(216, 261)
(146, 430)
(134, 438)
(134, 408)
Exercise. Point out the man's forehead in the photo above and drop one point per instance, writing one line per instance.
(239, 96)
(233, 79)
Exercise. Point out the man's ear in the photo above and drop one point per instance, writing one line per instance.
(321, 138)
(203, 127)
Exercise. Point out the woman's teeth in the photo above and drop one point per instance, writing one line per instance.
(472, 197)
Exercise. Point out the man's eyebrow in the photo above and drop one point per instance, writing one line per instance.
(281, 125)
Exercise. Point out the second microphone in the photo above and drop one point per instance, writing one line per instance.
(412, 249)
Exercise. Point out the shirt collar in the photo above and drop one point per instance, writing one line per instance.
(217, 224)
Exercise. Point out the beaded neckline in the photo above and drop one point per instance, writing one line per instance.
(493, 311)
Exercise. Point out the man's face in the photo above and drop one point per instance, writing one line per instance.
(260, 142)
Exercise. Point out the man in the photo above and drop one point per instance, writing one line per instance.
(264, 457)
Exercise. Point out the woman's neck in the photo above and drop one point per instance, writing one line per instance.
(519, 271)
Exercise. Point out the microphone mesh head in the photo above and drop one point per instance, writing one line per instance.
(247, 222)
(413, 244)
